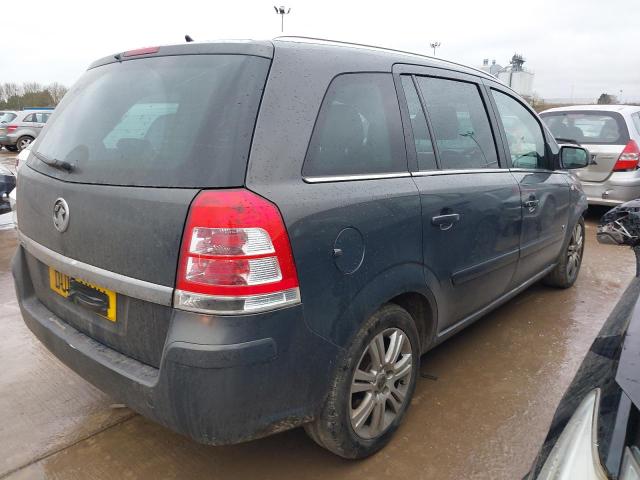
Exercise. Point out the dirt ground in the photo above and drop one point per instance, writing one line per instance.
(484, 417)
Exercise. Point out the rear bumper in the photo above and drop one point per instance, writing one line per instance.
(620, 187)
(222, 380)
(8, 139)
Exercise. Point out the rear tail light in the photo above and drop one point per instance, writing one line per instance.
(235, 256)
(628, 159)
(11, 128)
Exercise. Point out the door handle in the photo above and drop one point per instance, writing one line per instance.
(532, 204)
(445, 222)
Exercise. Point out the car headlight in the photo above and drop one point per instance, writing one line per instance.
(575, 454)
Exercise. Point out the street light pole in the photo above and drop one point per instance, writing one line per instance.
(435, 45)
(282, 11)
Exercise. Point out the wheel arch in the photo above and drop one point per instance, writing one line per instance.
(403, 285)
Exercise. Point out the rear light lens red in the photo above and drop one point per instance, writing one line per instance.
(629, 158)
(235, 256)
(11, 128)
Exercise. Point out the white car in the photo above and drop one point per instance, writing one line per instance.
(611, 133)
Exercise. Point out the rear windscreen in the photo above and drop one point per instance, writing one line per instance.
(585, 127)
(174, 121)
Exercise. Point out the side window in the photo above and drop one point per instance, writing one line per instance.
(636, 121)
(358, 130)
(421, 137)
(460, 124)
(39, 117)
(524, 134)
(30, 118)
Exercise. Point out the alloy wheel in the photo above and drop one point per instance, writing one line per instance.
(574, 252)
(380, 383)
(23, 143)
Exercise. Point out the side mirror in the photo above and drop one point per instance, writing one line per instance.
(572, 157)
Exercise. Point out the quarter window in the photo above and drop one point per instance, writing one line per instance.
(421, 137)
(30, 118)
(358, 130)
(524, 134)
(460, 124)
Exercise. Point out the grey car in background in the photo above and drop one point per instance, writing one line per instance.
(17, 133)
(611, 133)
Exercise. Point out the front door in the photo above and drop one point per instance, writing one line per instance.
(470, 206)
(545, 193)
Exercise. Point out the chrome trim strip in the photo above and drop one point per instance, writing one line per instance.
(212, 304)
(131, 287)
(535, 170)
(428, 173)
(346, 178)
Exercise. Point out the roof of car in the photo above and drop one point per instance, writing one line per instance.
(265, 48)
(604, 108)
(394, 56)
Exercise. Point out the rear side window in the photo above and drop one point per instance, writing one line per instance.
(461, 127)
(358, 130)
(524, 133)
(174, 121)
(30, 118)
(588, 127)
(421, 137)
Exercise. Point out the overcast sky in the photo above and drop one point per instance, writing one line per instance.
(584, 46)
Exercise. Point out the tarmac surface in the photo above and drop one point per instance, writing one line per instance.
(484, 416)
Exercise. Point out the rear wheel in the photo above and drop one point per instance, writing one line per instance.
(372, 388)
(565, 273)
(23, 142)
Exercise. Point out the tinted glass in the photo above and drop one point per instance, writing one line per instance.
(636, 121)
(358, 130)
(524, 134)
(588, 127)
(183, 121)
(421, 137)
(30, 118)
(460, 123)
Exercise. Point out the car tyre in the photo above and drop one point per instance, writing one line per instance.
(23, 142)
(11, 148)
(566, 271)
(362, 383)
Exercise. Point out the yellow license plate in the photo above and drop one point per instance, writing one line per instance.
(62, 284)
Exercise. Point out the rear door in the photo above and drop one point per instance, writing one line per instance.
(470, 203)
(139, 139)
(603, 133)
(545, 194)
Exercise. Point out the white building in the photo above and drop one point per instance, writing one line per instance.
(514, 75)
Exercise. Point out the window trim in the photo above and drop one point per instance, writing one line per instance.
(409, 136)
(547, 151)
(364, 176)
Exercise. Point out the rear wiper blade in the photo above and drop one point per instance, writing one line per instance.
(54, 162)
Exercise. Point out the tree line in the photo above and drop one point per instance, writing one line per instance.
(14, 96)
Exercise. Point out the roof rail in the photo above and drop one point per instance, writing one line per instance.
(375, 47)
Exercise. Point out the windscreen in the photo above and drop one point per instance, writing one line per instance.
(173, 121)
(598, 128)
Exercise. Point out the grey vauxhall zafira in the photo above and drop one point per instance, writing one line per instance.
(239, 238)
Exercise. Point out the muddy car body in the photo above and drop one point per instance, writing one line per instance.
(304, 240)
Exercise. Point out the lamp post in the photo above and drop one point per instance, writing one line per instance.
(282, 11)
(435, 45)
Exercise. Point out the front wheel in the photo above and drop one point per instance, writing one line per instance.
(565, 273)
(372, 388)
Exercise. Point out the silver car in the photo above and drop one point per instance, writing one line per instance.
(611, 133)
(17, 133)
